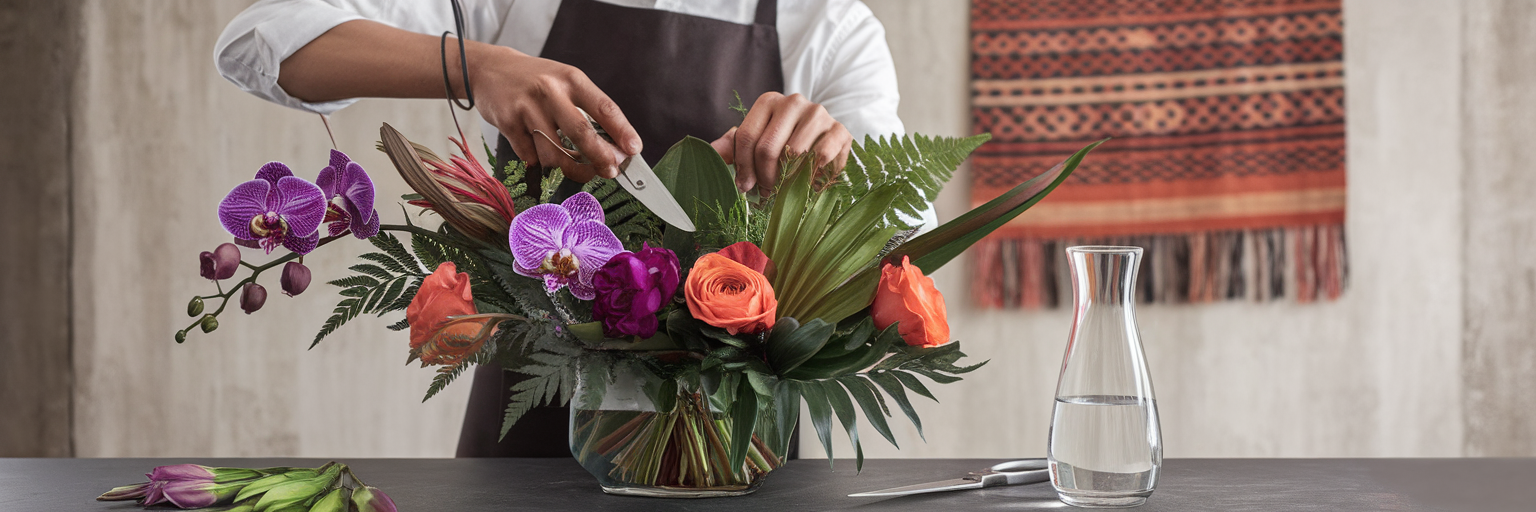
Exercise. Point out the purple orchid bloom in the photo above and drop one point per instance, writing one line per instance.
(563, 243)
(276, 208)
(349, 192)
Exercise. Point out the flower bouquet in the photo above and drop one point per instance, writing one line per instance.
(684, 355)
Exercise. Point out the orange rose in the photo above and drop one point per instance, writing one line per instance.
(907, 296)
(434, 339)
(727, 294)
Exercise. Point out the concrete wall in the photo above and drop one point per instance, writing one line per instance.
(1428, 354)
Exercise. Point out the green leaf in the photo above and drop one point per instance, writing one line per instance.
(373, 270)
(893, 387)
(702, 184)
(821, 414)
(870, 402)
(838, 398)
(743, 422)
(920, 163)
(786, 399)
(913, 384)
(932, 250)
(791, 344)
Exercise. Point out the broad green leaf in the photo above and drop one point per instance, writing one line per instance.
(791, 344)
(788, 206)
(700, 181)
(786, 400)
(893, 387)
(743, 422)
(870, 402)
(838, 398)
(821, 414)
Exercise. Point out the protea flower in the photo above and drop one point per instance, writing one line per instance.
(276, 208)
(459, 190)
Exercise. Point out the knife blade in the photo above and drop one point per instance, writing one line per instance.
(1017, 472)
(636, 177)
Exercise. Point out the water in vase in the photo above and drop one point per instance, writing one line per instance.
(1113, 455)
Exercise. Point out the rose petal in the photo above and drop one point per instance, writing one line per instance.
(584, 207)
(273, 171)
(535, 233)
(747, 253)
(244, 202)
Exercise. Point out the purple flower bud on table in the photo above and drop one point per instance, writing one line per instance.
(631, 288)
(252, 297)
(371, 499)
(349, 195)
(565, 244)
(221, 263)
(276, 208)
(295, 278)
(199, 493)
(126, 492)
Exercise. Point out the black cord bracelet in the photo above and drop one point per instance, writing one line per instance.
(442, 47)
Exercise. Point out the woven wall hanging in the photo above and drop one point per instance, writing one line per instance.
(1227, 157)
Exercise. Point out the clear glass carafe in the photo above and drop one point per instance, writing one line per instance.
(1106, 447)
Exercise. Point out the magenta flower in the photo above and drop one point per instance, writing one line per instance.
(631, 288)
(563, 243)
(349, 194)
(186, 486)
(252, 296)
(276, 208)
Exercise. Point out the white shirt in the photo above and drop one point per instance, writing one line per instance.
(833, 51)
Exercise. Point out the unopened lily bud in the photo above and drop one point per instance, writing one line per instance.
(181, 336)
(295, 278)
(334, 501)
(371, 499)
(195, 307)
(252, 297)
(209, 323)
(221, 263)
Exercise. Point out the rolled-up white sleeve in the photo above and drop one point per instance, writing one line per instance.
(857, 79)
(253, 46)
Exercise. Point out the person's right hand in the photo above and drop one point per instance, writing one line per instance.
(518, 94)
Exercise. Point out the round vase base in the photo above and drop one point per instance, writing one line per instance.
(681, 492)
(1102, 501)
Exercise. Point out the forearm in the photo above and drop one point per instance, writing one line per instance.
(363, 58)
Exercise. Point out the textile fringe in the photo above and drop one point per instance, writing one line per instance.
(1300, 263)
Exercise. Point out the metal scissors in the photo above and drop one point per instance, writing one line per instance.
(1016, 472)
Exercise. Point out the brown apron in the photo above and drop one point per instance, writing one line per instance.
(673, 75)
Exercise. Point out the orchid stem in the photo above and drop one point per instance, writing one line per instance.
(255, 271)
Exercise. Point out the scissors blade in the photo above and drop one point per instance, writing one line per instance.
(940, 486)
(641, 182)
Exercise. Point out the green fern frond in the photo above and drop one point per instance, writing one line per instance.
(923, 163)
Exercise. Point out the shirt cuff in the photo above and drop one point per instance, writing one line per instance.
(253, 60)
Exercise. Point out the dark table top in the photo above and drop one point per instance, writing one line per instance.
(472, 485)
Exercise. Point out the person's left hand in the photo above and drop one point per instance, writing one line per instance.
(778, 125)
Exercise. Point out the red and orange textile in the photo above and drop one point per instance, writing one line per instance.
(1227, 155)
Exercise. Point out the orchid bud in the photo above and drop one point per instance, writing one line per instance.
(209, 323)
(181, 336)
(221, 263)
(295, 278)
(252, 297)
(371, 499)
(195, 307)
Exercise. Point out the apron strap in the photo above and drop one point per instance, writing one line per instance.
(767, 13)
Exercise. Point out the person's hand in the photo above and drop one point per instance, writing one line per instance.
(778, 125)
(519, 94)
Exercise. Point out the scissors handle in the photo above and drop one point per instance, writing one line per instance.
(1016, 472)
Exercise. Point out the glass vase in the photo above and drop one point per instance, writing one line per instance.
(645, 434)
(1105, 445)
